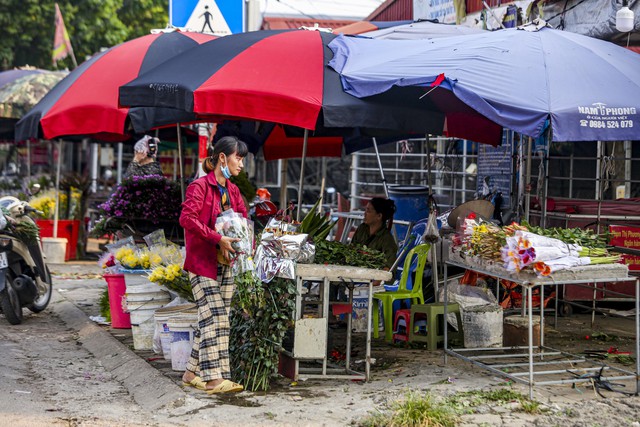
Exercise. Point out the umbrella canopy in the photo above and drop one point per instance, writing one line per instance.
(286, 142)
(420, 30)
(272, 76)
(589, 89)
(20, 90)
(85, 103)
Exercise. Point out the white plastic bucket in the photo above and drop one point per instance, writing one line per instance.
(142, 302)
(162, 333)
(482, 326)
(182, 328)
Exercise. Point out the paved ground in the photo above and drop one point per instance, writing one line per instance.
(139, 388)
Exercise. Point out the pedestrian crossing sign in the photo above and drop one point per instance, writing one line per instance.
(219, 17)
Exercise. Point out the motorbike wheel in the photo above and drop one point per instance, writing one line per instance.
(42, 301)
(10, 304)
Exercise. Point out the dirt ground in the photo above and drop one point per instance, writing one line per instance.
(398, 369)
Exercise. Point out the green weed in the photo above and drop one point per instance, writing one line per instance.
(414, 411)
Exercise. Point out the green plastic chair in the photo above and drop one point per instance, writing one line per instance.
(414, 294)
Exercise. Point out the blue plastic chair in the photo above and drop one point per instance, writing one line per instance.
(404, 292)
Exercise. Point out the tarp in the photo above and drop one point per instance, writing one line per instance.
(588, 88)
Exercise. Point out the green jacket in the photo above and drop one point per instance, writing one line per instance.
(382, 241)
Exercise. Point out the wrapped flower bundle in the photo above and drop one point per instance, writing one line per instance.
(234, 225)
(519, 248)
(174, 278)
(547, 255)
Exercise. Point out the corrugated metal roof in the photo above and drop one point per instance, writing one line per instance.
(284, 23)
(392, 10)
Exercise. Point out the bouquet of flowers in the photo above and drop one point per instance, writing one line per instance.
(231, 224)
(547, 255)
(152, 198)
(281, 246)
(174, 278)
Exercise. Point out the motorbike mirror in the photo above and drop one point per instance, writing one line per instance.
(35, 189)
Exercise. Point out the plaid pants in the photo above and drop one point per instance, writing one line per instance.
(210, 351)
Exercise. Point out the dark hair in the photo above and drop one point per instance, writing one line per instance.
(385, 207)
(226, 145)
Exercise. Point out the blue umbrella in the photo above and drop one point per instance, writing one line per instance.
(589, 89)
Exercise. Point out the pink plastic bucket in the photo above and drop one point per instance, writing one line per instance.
(117, 289)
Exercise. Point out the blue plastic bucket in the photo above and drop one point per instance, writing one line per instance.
(412, 204)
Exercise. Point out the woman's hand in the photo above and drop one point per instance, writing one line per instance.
(226, 248)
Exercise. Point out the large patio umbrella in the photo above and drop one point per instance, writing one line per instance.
(272, 76)
(419, 30)
(279, 77)
(85, 103)
(587, 88)
(20, 90)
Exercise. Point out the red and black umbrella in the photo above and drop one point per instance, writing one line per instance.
(273, 76)
(286, 142)
(85, 103)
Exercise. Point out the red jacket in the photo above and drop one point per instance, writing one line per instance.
(200, 209)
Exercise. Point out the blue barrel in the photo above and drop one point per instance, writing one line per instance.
(412, 204)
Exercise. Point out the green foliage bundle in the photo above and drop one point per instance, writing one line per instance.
(261, 315)
(315, 224)
(328, 252)
(103, 303)
(584, 237)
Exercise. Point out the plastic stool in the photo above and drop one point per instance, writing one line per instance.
(403, 315)
(435, 323)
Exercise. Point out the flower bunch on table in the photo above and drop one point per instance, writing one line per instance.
(485, 239)
(545, 255)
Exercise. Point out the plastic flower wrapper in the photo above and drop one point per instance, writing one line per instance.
(231, 224)
(156, 238)
(525, 248)
(278, 253)
(174, 278)
(168, 253)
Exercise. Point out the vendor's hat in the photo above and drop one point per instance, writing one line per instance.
(484, 208)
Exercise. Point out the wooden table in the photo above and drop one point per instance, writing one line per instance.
(310, 339)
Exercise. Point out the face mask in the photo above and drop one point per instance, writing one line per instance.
(225, 171)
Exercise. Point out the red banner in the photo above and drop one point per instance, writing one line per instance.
(626, 237)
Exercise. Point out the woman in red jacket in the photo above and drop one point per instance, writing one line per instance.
(208, 367)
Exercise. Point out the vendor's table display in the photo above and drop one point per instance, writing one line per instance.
(310, 337)
(532, 261)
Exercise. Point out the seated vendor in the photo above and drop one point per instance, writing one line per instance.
(375, 230)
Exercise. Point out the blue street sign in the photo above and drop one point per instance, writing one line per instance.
(219, 17)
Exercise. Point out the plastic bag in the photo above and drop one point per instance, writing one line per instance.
(155, 238)
(431, 233)
(232, 224)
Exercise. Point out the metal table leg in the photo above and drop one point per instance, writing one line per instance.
(369, 326)
(530, 307)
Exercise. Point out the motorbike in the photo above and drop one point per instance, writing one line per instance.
(25, 280)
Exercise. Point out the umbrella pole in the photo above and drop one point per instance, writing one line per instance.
(432, 211)
(426, 139)
(284, 171)
(545, 187)
(323, 182)
(527, 187)
(55, 213)
(304, 158)
(521, 176)
(28, 160)
(180, 160)
(384, 181)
